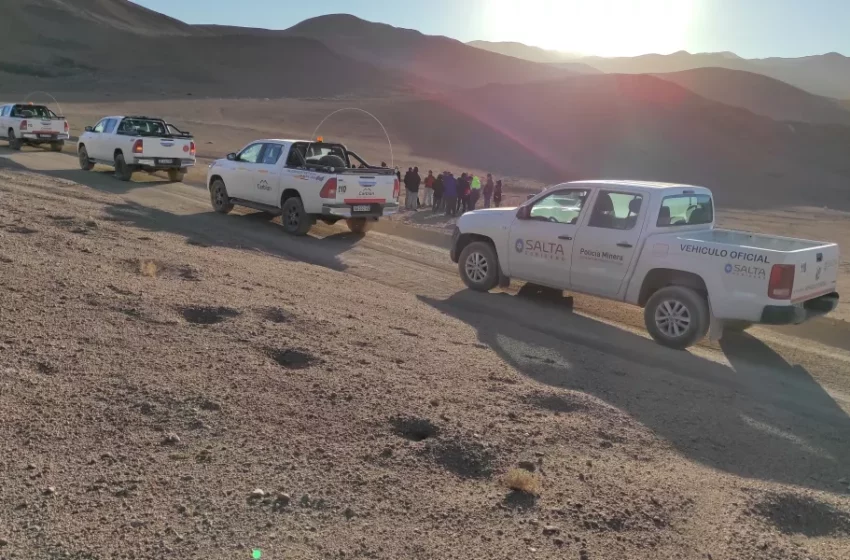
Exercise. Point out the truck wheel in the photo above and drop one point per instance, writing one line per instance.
(57, 146)
(677, 317)
(14, 142)
(294, 219)
(85, 162)
(123, 171)
(357, 225)
(176, 175)
(219, 197)
(479, 266)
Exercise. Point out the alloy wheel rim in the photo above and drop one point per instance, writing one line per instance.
(673, 318)
(477, 267)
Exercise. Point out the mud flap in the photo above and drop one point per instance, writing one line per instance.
(715, 329)
(504, 281)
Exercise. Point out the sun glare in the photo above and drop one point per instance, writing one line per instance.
(593, 27)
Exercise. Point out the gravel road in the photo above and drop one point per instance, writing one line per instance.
(176, 383)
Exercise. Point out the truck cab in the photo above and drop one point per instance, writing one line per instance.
(649, 244)
(304, 181)
(29, 124)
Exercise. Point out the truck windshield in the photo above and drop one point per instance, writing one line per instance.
(324, 154)
(143, 127)
(686, 210)
(33, 111)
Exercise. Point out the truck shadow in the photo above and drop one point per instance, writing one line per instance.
(761, 418)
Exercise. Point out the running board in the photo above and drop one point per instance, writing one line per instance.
(257, 206)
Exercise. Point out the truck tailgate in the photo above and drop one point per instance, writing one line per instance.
(174, 148)
(816, 272)
(364, 189)
(51, 127)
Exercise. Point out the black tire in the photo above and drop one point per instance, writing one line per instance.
(219, 198)
(677, 317)
(85, 163)
(736, 326)
(479, 266)
(294, 219)
(176, 175)
(357, 225)
(57, 146)
(15, 143)
(123, 171)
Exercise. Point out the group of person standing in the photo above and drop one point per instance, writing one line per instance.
(450, 194)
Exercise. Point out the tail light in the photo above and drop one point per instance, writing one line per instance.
(781, 281)
(329, 190)
(66, 127)
(191, 149)
(396, 188)
(138, 146)
(23, 125)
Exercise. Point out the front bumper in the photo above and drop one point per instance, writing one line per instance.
(796, 314)
(453, 252)
(163, 163)
(44, 136)
(347, 210)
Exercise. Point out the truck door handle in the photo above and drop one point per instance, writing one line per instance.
(625, 245)
(565, 237)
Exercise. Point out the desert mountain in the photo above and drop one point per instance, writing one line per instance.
(84, 45)
(624, 126)
(827, 75)
(436, 59)
(761, 95)
(563, 60)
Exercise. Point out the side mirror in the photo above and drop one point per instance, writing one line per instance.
(231, 157)
(89, 129)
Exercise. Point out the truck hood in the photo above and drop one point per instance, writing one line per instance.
(487, 217)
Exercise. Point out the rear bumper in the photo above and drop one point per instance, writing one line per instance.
(795, 314)
(44, 136)
(346, 210)
(163, 163)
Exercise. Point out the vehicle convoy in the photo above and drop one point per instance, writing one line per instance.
(654, 245)
(304, 181)
(131, 144)
(27, 124)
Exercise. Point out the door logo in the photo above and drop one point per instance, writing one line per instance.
(264, 185)
(519, 246)
(728, 269)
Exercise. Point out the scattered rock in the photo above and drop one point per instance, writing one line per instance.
(170, 439)
(256, 495)
(527, 465)
(348, 513)
(551, 530)
(50, 490)
(31, 467)
(283, 500)
(557, 541)
(3, 542)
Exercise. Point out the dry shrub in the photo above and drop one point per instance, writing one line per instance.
(521, 480)
(148, 268)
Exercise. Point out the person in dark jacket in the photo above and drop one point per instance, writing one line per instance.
(497, 193)
(450, 186)
(408, 186)
(487, 190)
(438, 193)
(463, 188)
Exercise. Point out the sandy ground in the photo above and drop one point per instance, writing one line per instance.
(180, 383)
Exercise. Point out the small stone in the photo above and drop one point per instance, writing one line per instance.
(181, 509)
(551, 530)
(348, 513)
(581, 476)
(539, 454)
(31, 467)
(3, 542)
(435, 402)
(50, 490)
(513, 416)
(557, 541)
(257, 494)
(283, 499)
(137, 524)
(528, 466)
(305, 500)
(655, 501)
(171, 439)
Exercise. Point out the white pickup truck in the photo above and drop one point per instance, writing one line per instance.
(304, 181)
(653, 245)
(131, 144)
(34, 125)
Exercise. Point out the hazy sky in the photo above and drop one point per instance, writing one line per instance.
(751, 28)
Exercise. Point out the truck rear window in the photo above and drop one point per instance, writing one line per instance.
(686, 210)
(33, 112)
(143, 127)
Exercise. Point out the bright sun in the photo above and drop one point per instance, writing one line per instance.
(593, 27)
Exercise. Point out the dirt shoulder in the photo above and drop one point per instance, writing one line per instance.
(178, 382)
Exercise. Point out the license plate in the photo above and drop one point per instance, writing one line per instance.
(166, 161)
(45, 136)
(361, 208)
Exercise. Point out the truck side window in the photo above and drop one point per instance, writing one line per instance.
(272, 154)
(560, 207)
(109, 128)
(100, 126)
(251, 154)
(293, 159)
(685, 210)
(615, 210)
